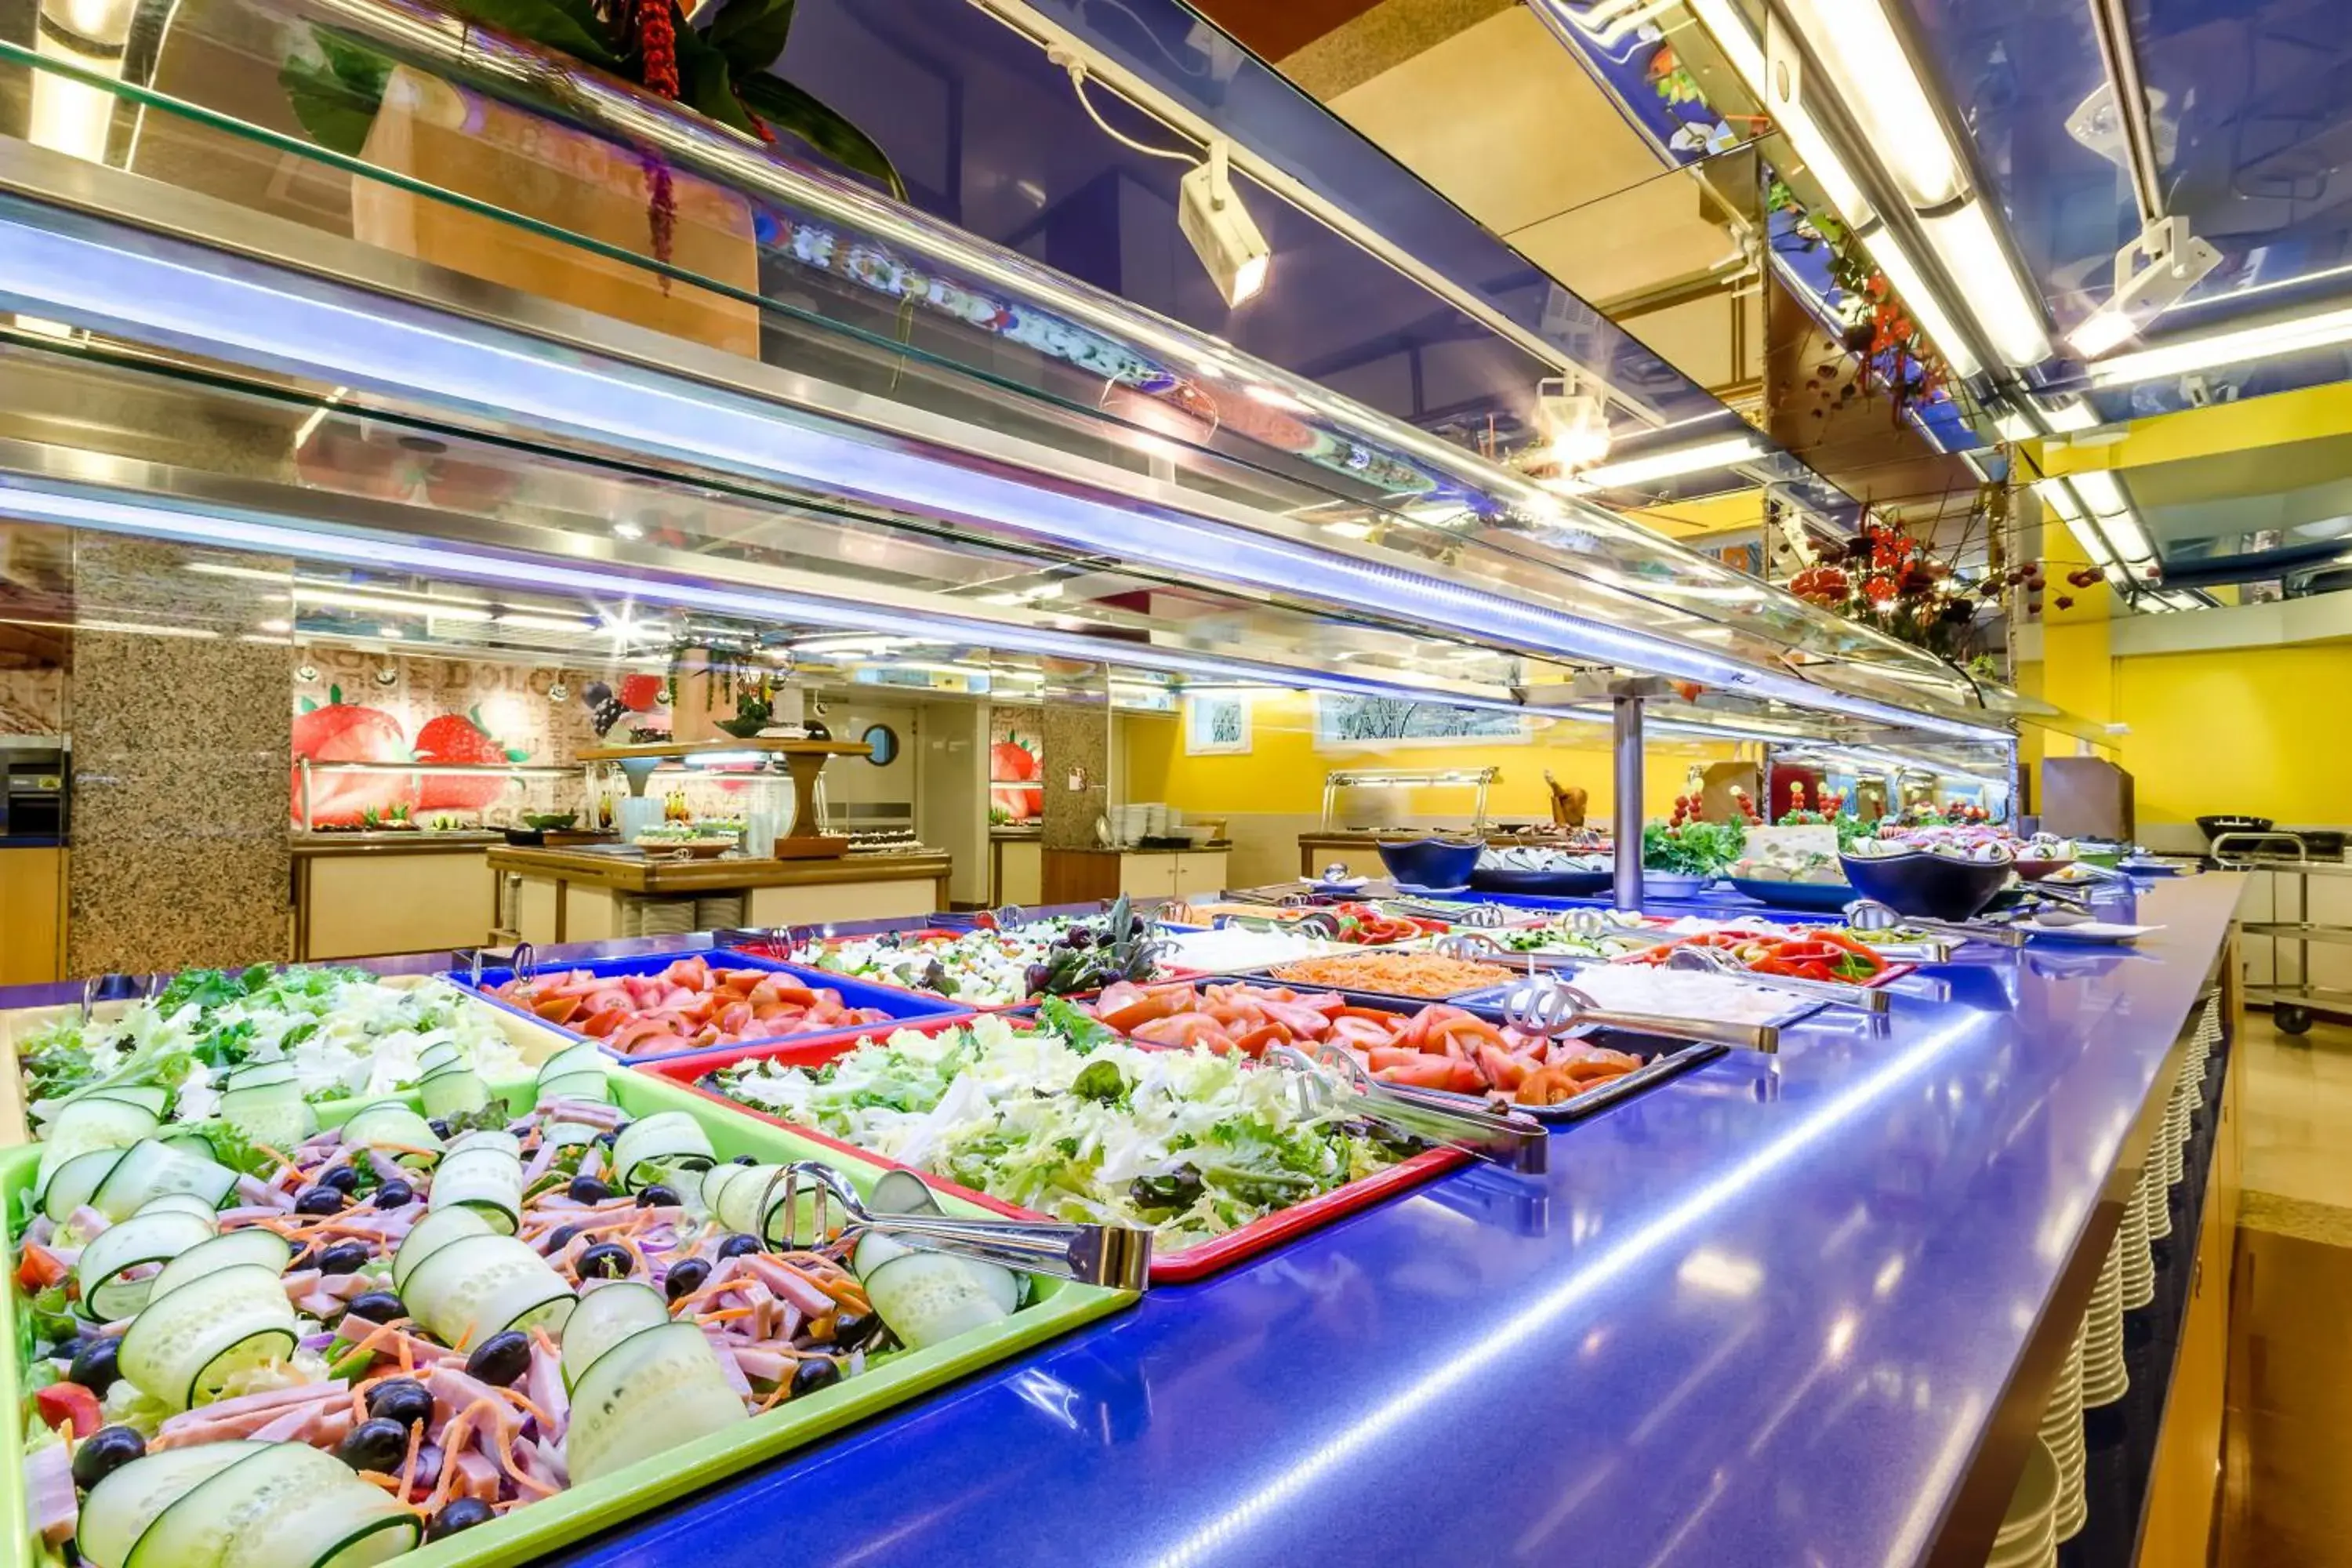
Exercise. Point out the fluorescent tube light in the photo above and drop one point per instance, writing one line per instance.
(2068, 415)
(2211, 351)
(1925, 305)
(2118, 519)
(445, 609)
(2061, 500)
(2101, 331)
(541, 623)
(1722, 19)
(1980, 270)
(1874, 79)
(1708, 455)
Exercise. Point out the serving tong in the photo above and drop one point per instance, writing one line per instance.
(1550, 1004)
(521, 962)
(1714, 960)
(1118, 1256)
(100, 988)
(1330, 1078)
(1483, 917)
(1870, 914)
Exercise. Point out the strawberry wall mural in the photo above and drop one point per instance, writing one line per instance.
(356, 707)
(1015, 765)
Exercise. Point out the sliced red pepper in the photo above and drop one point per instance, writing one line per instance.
(69, 1405)
(39, 1269)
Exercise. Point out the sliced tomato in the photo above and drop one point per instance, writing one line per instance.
(39, 1268)
(69, 1405)
(1421, 1072)
(1254, 1042)
(558, 1010)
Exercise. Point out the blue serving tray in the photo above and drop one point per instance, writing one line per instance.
(887, 999)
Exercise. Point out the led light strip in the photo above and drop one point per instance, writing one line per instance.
(225, 306)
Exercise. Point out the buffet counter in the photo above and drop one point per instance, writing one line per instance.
(1782, 1310)
(1360, 851)
(357, 895)
(588, 894)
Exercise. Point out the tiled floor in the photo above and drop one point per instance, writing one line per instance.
(2286, 1500)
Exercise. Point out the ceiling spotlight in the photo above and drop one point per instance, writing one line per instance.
(1222, 235)
(1575, 424)
(2152, 273)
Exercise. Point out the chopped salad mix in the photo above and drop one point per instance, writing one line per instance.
(1817, 954)
(997, 968)
(337, 1032)
(1070, 1121)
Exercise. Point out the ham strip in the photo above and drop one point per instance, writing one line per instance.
(50, 1494)
(789, 1283)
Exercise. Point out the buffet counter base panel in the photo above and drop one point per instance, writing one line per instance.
(577, 895)
(1057, 1308)
(1767, 1313)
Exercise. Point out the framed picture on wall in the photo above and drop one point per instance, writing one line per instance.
(1217, 725)
(1344, 720)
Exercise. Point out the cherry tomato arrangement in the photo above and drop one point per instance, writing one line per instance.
(1807, 955)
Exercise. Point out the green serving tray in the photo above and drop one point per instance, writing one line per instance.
(538, 1528)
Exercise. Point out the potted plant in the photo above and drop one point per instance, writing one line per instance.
(716, 61)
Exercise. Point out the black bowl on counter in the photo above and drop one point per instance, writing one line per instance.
(1431, 862)
(2232, 821)
(1561, 884)
(1923, 883)
(1823, 898)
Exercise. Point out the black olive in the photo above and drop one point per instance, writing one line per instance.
(606, 1139)
(440, 1129)
(587, 1190)
(1079, 938)
(747, 1159)
(343, 1178)
(685, 1278)
(606, 1262)
(319, 1200)
(463, 1513)
(659, 1196)
(815, 1373)
(737, 1244)
(93, 1364)
(500, 1359)
(403, 1400)
(374, 1444)
(343, 1257)
(561, 1237)
(378, 1307)
(394, 1194)
(851, 1329)
(105, 1451)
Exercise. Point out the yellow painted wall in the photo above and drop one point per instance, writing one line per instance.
(2252, 730)
(1282, 772)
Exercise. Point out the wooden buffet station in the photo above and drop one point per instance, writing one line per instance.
(591, 893)
(1078, 876)
(365, 895)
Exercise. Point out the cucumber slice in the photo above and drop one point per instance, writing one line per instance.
(584, 1056)
(496, 1137)
(438, 1054)
(484, 1178)
(146, 1238)
(259, 1075)
(152, 1097)
(428, 1235)
(663, 1141)
(391, 1125)
(590, 1086)
(739, 1202)
(903, 1192)
(273, 1114)
(183, 1203)
(567, 1134)
(188, 1139)
(87, 1124)
(926, 1297)
(657, 1388)
(120, 1508)
(230, 1249)
(606, 1316)
(148, 1169)
(459, 1092)
(77, 1181)
(478, 1285)
(291, 1504)
(185, 1344)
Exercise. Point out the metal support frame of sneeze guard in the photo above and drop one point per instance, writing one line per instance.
(1625, 698)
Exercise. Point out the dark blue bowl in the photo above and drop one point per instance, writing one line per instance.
(1933, 886)
(1826, 898)
(1431, 862)
(1541, 884)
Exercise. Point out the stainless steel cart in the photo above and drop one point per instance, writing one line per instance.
(2292, 1007)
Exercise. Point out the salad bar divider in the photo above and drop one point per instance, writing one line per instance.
(632, 1006)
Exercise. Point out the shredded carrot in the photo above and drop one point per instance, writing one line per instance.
(725, 1314)
(1395, 974)
(524, 1400)
(408, 1466)
(521, 1477)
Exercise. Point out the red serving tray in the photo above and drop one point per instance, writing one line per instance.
(765, 949)
(1178, 1267)
(1894, 969)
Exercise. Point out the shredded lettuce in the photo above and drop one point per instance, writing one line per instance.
(1188, 1143)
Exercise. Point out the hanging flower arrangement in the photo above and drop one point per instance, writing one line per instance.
(1894, 354)
(1884, 578)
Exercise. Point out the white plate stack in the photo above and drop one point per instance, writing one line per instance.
(2139, 1264)
(2154, 1196)
(2105, 1378)
(2062, 1429)
(2029, 1532)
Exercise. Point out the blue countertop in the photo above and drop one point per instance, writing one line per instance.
(1762, 1316)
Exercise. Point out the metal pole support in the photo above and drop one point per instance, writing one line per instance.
(1625, 812)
